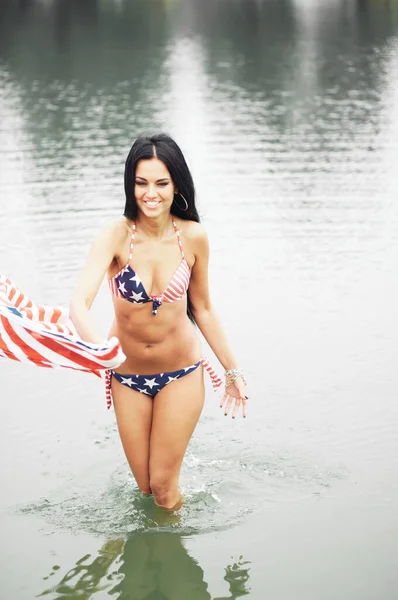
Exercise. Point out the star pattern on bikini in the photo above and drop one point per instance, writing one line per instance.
(133, 291)
(137, 297)
(151, 382)
(136, 279)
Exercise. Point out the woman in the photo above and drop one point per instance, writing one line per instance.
(156, 258)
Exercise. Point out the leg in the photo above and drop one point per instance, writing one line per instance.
(176, 411)
(134, 417)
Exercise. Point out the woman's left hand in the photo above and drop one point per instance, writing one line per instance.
(235, 392)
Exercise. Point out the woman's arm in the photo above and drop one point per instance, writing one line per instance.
(202, 309)
(210, 326)
(101, 255)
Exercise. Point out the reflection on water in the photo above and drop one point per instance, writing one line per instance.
(145, 566)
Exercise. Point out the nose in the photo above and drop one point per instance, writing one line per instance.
(151, 193)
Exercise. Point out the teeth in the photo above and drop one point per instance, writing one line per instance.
(152, 204)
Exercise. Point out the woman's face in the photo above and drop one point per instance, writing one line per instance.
(153, 187)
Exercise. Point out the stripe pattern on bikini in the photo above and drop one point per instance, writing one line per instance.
(179, 283)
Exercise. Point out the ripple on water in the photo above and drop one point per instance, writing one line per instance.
(217, 493)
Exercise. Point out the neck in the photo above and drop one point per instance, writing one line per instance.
(154, 227)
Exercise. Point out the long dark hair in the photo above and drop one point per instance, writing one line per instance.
(164, 148)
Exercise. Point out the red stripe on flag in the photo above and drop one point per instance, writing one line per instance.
(29, 352)
(56, 315)
(68, 353)
(4, 348)
(19, 300)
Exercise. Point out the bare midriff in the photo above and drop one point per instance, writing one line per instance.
(155, 344)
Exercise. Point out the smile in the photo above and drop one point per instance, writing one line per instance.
(151, 204)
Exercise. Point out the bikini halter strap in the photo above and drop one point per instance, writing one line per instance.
(178, 238)
(132, 241)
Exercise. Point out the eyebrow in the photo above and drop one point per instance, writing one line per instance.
(157, 181)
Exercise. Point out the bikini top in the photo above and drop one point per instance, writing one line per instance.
(127, 284)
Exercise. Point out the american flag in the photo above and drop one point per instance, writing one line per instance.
(45, 336)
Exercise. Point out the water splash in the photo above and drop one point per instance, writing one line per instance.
(218, 494)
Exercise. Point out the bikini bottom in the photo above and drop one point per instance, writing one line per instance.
(152, 384)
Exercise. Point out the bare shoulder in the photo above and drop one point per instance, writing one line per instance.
(115, 232)
(194, 239)
(193, 232)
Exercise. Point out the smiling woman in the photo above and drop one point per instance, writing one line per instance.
(157, 254)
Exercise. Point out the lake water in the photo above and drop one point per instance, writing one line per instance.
(287, 111)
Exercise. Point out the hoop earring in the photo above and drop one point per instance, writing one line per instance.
(186, 203)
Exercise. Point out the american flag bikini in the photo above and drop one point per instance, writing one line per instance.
(127, 285)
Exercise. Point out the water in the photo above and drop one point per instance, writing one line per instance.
(287, 112)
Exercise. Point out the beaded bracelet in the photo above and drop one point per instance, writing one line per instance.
(231, 375)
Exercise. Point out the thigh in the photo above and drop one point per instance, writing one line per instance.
(176, 411)
(134, 418)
